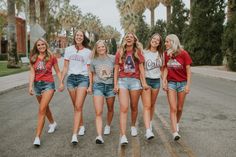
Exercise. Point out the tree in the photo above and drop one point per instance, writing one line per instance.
(203, 37)
(151, 5)
(159, 28)
(167, 3)
(179, 18)
(142, 30)
(13, 60)
(229, 40)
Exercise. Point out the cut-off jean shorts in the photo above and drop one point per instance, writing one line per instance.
(102, 89)
(75, 81)
(153, 83)
(42, 86)
(177, 86)
(129, 83)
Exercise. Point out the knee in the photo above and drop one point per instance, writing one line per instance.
(110, 109)
(173, 110)
(124, 109)
(78, 108)
(42, 110)
(180, 109)
(147, 107)
(134, 108)
(98, 113)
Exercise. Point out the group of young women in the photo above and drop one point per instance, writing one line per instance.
(132, 73)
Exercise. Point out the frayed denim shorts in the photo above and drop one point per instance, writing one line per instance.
(42, 86)
(153, 83)
(177, 86)
(102, 89)
(129, 83)
(75, 81)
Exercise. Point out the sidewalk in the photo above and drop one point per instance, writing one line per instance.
(20, 80)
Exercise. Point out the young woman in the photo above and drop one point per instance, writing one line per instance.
(153, 66)
(128, 71)
(176, 79)
(76, 64)
(102, 67)
(41, 63)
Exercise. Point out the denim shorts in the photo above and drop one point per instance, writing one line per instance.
(74, 81)
(153, 83)
(129, 83)
(42, 86)
(102, 89)
(177, 86)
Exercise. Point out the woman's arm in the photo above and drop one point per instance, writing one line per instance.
(164, 79)
(31, 80)
(90, 73)
(189, 75)
(142, 77)
(116, 72)
(59, 75)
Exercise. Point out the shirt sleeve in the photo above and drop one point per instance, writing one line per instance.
(54, 60)
(89, 57)
(92, 66)
(141, 57)
(66, 56)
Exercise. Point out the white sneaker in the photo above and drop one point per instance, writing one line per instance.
(149, 134)
(107, 130)
(99, 140)
(52, 127)
(177, 127)
(123, 140)
(81, 131)
(74, 139)
(36, 141)
(176, 136)
(151, 125)
(134, 131)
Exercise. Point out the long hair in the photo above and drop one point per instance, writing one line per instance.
(159, 47)
(95, 52)
(175, 44)
(137, 46)
(35, 53)
(86, 40)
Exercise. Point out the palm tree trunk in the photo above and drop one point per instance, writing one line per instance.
(230, 10)
(168, 13)
(13, 60)
(152, 17)
(32, 18)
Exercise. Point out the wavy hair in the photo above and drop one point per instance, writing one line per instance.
(175, 44)
(95, 52)
(86, 40)
(35, 53)
(137, 46)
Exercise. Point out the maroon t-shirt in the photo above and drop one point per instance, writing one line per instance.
(129, 67)
(176, 66)
(43, 70)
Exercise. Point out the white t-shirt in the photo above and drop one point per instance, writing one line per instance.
(78, 60)
(153, 62)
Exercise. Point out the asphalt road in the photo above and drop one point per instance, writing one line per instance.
(207, 128)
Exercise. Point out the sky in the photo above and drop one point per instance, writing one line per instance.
(108, 13)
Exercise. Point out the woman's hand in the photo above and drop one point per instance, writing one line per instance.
(116, 89)
(31, 92)
(90, 90)
(165, 85)
(187, 89)
(145, 86)
(61, 87)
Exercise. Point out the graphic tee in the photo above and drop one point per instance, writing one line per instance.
(103, 69)
(43, 70)
(176, 66)
(153, 63)
(129, 67)
(78, 60)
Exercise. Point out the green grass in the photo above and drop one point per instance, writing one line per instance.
(4, 71)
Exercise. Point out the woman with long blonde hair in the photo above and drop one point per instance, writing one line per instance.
(128, 81)
(41, 79)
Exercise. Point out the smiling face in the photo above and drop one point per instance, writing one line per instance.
(130, 39)
(101, 49)
(155, 41)
(168, 43)
(79, 37)
(41, 46)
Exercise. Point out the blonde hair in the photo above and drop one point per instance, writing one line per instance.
(175, 43)
(137, 46)
(35, 53)
(95, 52)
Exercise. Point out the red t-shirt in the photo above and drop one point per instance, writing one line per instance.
(43, 71)
(176, 66)
(128, 67)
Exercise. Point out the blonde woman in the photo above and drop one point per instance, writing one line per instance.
(41, 80)
(176, 79)
(128, 71)
(153, 66)
(77, 64)
(102, 69)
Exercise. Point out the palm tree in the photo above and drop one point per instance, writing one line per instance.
(138, 6)
(13, 60)
(167, 3)
(151, 5)
(231, 9)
